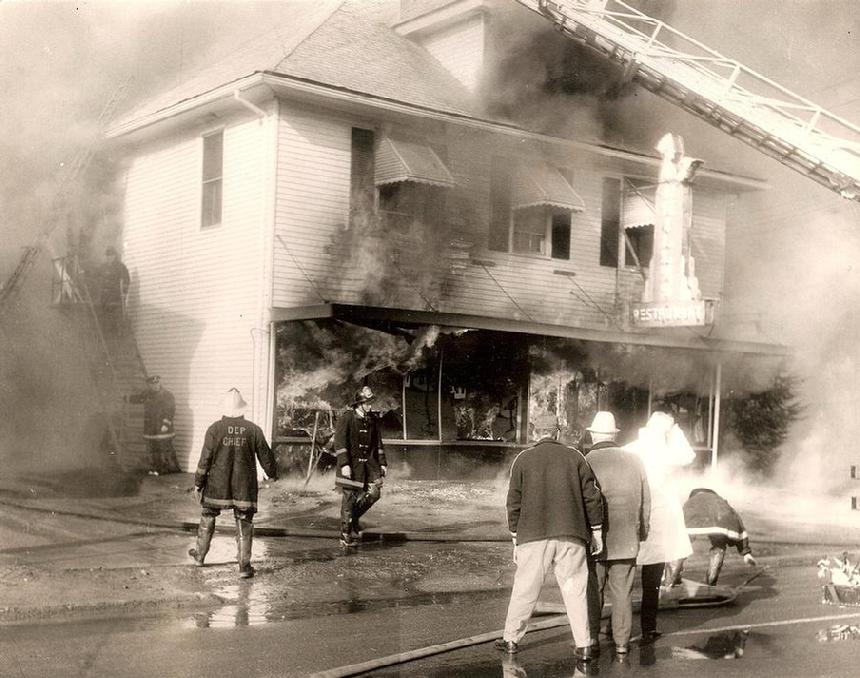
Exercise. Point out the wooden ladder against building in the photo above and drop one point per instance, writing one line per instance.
(116, 365)
(715, 88)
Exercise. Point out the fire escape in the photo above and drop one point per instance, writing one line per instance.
(715, 88)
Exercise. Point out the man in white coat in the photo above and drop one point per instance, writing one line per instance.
(663, 448)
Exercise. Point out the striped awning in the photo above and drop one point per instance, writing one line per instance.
(537, 184)
(399, 160)
(639, 208)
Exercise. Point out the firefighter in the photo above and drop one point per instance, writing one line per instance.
(113, 283)
(361, 463)
(226, 478)
(159, 409)
(707, 514)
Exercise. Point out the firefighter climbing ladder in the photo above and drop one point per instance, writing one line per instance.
(715, 88)
(12, 285)
(79, 163)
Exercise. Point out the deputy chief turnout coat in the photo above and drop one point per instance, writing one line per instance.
(552, 494)
(227, 470)
(622, 480)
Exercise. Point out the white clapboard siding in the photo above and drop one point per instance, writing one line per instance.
(460, 48)
(313, 205)
(195, 298)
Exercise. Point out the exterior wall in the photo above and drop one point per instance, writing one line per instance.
(196, 295)
(460, 49)
(313, 203)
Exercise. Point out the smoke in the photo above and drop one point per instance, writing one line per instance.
(321, 364)
(61, 65)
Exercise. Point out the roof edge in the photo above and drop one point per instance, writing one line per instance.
(294, 84)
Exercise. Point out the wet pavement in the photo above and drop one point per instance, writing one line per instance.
(773, 629)
(114, 595)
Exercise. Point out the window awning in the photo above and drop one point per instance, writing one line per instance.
(638, 208)
(398, 160)
(537, 184)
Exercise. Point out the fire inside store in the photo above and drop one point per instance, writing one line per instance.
(455, 402)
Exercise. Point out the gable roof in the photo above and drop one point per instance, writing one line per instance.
(346, 44)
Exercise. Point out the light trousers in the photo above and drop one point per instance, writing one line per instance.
(567, 557)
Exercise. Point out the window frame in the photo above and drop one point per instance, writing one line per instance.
(548, 213)
(647, 182)
(212, 181)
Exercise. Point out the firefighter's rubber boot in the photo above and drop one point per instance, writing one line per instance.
(715, 564)
(244, 541)
(205, 530)
(365, 501)
(673, 572)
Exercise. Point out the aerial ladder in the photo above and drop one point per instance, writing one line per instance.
(715, 88)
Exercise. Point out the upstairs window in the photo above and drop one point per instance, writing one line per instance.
(361, 189)
(530, 208)
(500, 204)
(213, 166)
(637, 221)
(405, 207)
(541, 230)
(639, 245)
(610, 222)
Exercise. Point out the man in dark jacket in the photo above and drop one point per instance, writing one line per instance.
(226, 478)
(361, 463)
(707, 514)
(622, 480)
(159, 409)
(555, 512)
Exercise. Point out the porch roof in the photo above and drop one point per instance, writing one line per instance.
(382, 317)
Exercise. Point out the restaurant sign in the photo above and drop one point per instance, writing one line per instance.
(674, 314)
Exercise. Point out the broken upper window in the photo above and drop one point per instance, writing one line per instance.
(213, 165)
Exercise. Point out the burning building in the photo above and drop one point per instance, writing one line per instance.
(356, 198)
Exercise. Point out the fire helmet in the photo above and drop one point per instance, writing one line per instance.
(363, 395)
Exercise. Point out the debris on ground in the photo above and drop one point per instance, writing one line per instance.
(839, 632)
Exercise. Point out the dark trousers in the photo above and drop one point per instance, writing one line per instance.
(355, 504)
(652, 576)
(239, 514)
(162, 456)
(618, 575)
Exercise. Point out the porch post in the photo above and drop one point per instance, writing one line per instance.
(715, 442)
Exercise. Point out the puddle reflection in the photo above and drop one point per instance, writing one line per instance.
(248, 605)
(729, 645)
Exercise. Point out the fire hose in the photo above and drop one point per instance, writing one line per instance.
(712, 596)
